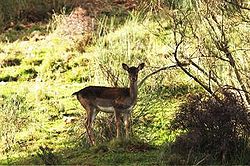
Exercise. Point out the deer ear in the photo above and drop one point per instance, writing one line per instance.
(141, 66)
(125, 66)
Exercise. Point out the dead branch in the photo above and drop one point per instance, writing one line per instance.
(223, 46)
(235, 3)
(188, 73)
(111, 77)
(204, 72)
(157, 71)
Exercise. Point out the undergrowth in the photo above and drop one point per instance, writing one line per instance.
(13, 120)
(217, 129)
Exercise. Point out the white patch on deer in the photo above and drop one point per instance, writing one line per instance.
(106, 109)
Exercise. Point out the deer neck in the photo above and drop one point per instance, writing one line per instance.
(133, 91)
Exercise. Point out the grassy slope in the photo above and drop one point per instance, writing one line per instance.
(48, 73)
(49, 129)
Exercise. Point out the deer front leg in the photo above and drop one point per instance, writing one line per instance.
(117, 123)
(127, 124)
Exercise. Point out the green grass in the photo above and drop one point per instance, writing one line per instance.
(46, 75)
(48, 102)
(43, 68)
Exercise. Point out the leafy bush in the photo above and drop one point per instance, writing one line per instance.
(52, 67)
(22, 73)
(6, 78)
(219, 128)
(27, 73)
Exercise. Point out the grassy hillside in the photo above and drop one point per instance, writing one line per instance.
(42, 64)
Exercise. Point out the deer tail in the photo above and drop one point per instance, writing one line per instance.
(75, 93)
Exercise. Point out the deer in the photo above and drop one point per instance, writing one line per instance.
(116, 100)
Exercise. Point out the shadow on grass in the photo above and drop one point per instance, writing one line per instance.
(115, 152)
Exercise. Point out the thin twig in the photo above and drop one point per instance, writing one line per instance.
(198, 163)
(111, 77)
(238, 5)
(188, 73)
(157, 71)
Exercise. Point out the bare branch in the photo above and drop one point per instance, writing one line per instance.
(223, 46)
(237, 5)
(111, 77)
(188, 73)
(214, 55)
(157, 71)
(204, 72)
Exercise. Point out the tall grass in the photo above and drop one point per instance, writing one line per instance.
(13, 119)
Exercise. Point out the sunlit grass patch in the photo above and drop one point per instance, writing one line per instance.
(57, 63)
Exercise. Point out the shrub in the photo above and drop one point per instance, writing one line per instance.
(27, 73)
(7, 78)
(10, 62)
(219, 128)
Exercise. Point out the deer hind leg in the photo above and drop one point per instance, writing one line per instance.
(91, 114)
(117, 123)
(127, 124)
